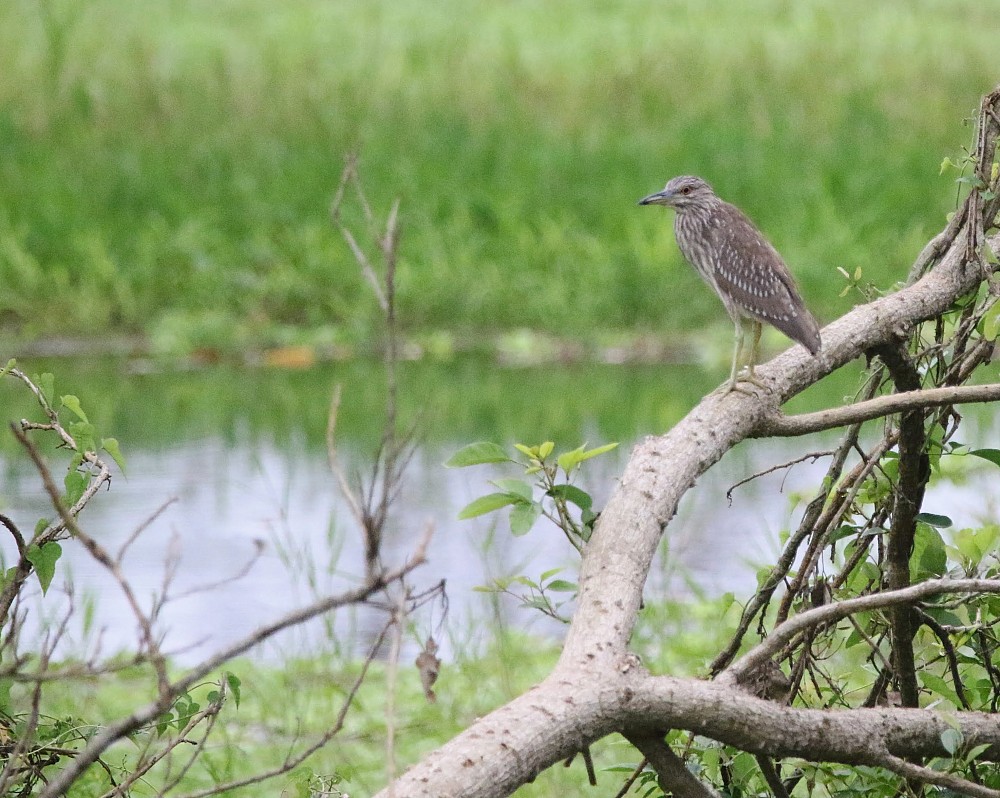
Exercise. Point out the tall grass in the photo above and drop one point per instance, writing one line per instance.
(166, 168)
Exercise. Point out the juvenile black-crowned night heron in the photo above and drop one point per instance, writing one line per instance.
(735, 259)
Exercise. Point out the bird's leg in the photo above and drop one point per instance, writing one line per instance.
(735, 376)
(737, 354)
(754, 345)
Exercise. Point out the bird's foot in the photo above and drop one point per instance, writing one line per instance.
(747, 375)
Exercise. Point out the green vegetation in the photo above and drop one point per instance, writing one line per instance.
(166, 168)
(281, 708)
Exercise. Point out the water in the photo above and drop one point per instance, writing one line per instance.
(232, 465)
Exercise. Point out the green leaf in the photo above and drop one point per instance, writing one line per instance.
(545, 449)
(487, 504)
(570, 460)
(562, 586)
(476, 454)
(598, 451)
(976, 751)
(110, 445)
(572, 493)
(991, 323)
(46, 384)
(8, 577)
(951, 739)
(567, 461)
(518, 487)
(44, 558)
(5, 685)
(842, 532)
(993, 455)
(548, 574)
(929, 555)
(523, 517)
(234, 686)
(163, 723)
(937, 686)
(76, 483)
(940, 521)
(11, 364)
(83, 434)
(972, 180)
(72, 403)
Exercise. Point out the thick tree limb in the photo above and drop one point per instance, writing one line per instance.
(514, 743)
(558, 717)
(596, 689)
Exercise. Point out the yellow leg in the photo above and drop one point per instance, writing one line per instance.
(755, 344)
(737, 355)
(735, 375)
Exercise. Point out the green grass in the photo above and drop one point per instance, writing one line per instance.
(285, 705)
(166, 168)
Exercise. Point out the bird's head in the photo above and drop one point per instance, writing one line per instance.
(682, 192)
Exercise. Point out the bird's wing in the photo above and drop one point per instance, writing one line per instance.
(751, 273)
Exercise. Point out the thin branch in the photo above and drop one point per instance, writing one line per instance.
(790, 426)
(672, 773)
(331, 453)
(391, 686)
(811, 456)
(98, 553)
(812, 514)
(114, 731)
(950, 655)
(839, 610)
(771, 776)
(623, 791)
(292, 762)
(909, 770)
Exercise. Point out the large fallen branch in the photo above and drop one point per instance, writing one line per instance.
(598, 688)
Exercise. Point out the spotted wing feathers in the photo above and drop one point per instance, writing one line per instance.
(753, 279)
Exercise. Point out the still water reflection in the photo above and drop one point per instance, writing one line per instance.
(239, 457)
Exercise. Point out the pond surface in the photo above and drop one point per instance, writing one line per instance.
(232, 461)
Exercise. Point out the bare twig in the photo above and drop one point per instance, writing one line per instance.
(101, 556)
(811, 456)
(292, 762)
(395, 644)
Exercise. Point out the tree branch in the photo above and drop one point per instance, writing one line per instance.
(781, 425)
(919, 773)
(114, 731)
(914, 471)
(672, 774)
(839, 610)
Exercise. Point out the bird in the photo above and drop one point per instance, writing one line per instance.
(741, 266)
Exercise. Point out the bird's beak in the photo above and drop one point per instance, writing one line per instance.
(659, 198)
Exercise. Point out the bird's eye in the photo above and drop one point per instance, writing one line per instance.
(686, 190)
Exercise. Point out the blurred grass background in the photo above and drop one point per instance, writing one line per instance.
(166, 168)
